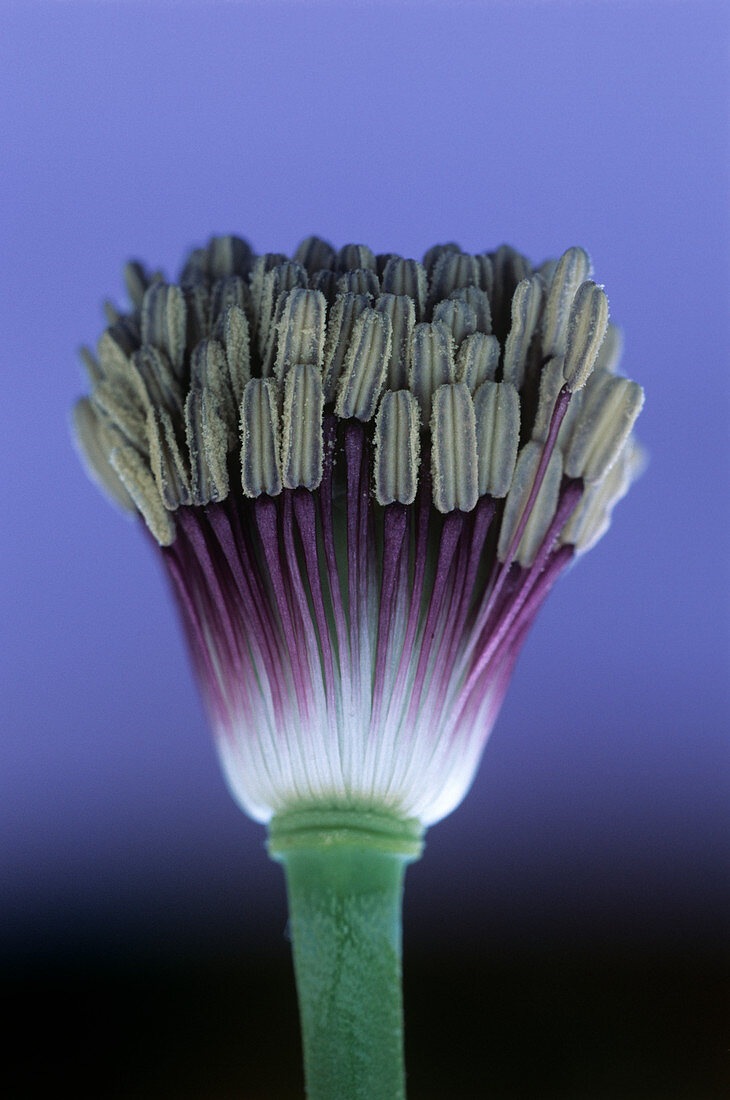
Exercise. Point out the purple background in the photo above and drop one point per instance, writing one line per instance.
(131, 132)
(600, 811)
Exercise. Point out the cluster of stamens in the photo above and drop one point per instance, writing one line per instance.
(303, 429)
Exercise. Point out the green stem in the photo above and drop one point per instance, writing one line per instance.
(344, 873)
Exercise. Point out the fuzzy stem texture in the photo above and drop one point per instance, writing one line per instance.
(344, 874)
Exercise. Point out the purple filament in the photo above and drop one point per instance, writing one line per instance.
(299, 619)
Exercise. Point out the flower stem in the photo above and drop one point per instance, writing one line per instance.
(344, 873)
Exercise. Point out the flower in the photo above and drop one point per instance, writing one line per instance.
(364, 474)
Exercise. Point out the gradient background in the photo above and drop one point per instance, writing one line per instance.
(564, 933)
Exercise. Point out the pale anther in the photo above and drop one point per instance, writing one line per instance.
(119, 402)
(156, 375)
(543, 509)
(114, 349)
(432, 364)
(164, 322)
(232, 291)
(361, 281)
(354, 256)
(397, 448)
(406, 277)
(552, 381)
(206, 434)
(301, 330)
(572, 269)
(315, 254)
(478, 299)
(340, 324)
(301, 434)
(453, 449)
(209, 374)
(458, 316)
(276, 283)
(497, 412)
(606, 419)
(527, 306)
(136, 281)
(477, 360)
(587, 324)
(95, 442)
(260, 439)
(451, 271)
(234, 333)
(592, 517)
(400, 309)
(365, 366)
(140, 484)
(166, 461)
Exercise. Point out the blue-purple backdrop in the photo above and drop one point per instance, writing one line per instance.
(135, 129)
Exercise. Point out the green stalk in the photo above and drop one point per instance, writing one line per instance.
(344, 873)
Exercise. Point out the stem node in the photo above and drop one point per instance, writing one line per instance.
(344, 873)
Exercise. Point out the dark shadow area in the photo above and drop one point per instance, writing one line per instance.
(549, 1022)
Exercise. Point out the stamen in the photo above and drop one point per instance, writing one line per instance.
(232, 291)
(157, 381)
(351, 257)
(261, 267)
(301, 330)
(260, 441)
(207, 439)
(136, 281)
(114, 350)
(166, 462)
(432, 364)
(163, 320)
(607, 417)
(397, 448)
(541, 511)
(510, 268)
(454, 449)
(326, 283)
(587, 326)
(275, 285)
(477, 360)
(197, 304)
(552, 382)
(301, 443)
(95, 444)
(497, 413)
(527, 305)
(365, 366)
(135, 474)
(360, 281)
(478, 300)
(451, 271)
(592, 517)
(227, 255)
(458, 317)
(119, 403)
(401, 311)
(235, 335)
(572, 269)
(406, 277)
(340, 325)
(315, 254)
(209, 374)
(434, 254)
